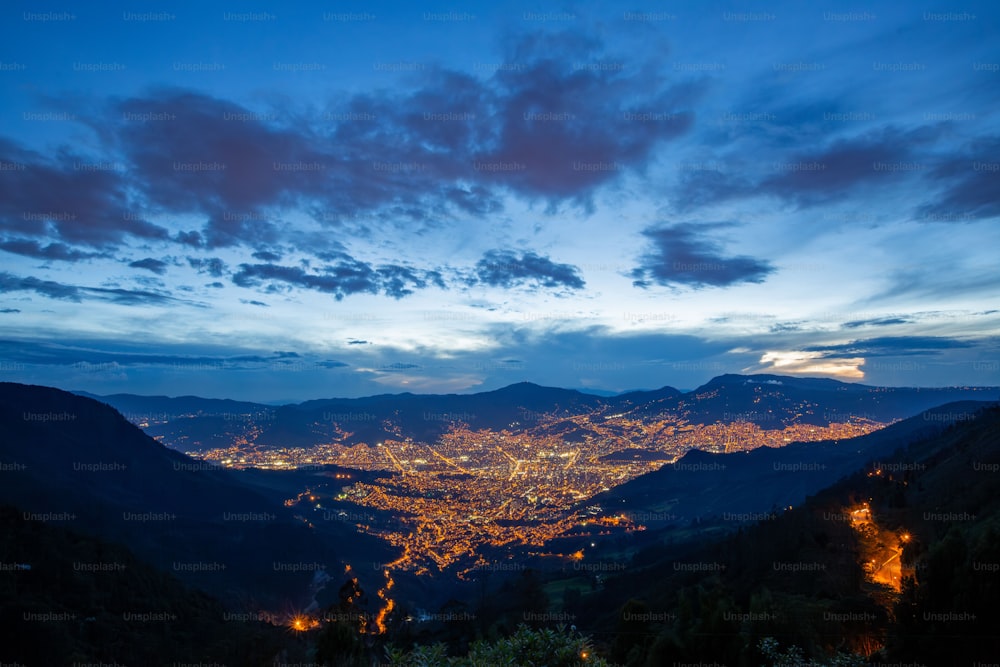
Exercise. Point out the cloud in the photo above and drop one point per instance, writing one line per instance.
(876, 322)
(328, 363)
(397, 367)
(892, 346)
(11, 283)
(682, 256)
(342, 277)
(504, 268)
(574, 117)
(872, 161)
(868, 162)
(798, 362)
(155, 265)
(971, 183)
(55, 251)
(55, 290)
(91, 352)
(71, 197)
(267, 256)
(213, 266)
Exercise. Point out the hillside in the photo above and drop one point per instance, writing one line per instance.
(927, 518)
(67, 598)
(78, 462)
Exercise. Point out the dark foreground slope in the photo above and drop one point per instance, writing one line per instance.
(76, 462)
(805, 577)
(66, 598)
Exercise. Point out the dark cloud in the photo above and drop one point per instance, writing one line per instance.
(213, 266)
(889, 346)
(240, 168)
(78, 200)
(358, 342)
(55, 251)
(133, 297)
(267, 256)
(702, 187)
(192, 239)
(252, 302)
(65, 354)
(399, 281)
(971, 182)
(575, 117)
(871, 160)
(157, 266)
(10, 310)
(216, 158)
(681, 255)
(504, 268)
(55, 290)
(570, 119)
(331, 364)
(866, 162)
(51, 289)
(397, 367)
(344, 275)
(876, 322)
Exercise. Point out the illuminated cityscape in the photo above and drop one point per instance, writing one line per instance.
(460, 501)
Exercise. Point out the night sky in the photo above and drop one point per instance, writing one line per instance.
(329, 199)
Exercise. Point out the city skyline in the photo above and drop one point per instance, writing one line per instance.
(279, 204)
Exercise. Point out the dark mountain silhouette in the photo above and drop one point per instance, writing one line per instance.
(78, 462)
(769, 401)
(774, 401)
(131, 404)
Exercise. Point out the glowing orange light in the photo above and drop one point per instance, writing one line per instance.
(301, 623)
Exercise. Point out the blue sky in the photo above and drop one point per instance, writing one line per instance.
(332, 199)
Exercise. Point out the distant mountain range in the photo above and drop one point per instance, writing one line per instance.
(194, 424)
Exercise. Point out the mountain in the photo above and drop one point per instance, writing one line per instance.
(745, 486)
(769, 402)
(774, 401)
(817, 577)
(75, 461)
(135, 406)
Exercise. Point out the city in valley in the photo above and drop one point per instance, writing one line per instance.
(476, 497)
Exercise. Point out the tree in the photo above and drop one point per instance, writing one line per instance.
(558, 647)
